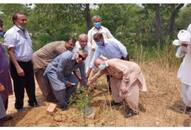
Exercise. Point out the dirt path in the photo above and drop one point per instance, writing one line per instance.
(161, 106)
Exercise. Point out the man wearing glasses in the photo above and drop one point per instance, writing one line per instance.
(60, 75)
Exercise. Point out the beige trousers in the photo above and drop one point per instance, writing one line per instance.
(44, 85)
(132, 98)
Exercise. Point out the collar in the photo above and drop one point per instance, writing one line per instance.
(94, 28)
(18, 28)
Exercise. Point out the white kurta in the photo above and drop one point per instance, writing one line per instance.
(184, 72)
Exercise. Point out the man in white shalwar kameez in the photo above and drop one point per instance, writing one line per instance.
(184, 72)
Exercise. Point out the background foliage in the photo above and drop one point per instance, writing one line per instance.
(145, 27)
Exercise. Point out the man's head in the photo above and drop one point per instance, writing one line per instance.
(100, 63)
(98, 38)
(19, 19)
(184, 37)
(81, 56)
(97, 21)
(70, 43)
(83, 40)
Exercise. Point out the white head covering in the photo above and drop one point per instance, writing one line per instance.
(184, 36)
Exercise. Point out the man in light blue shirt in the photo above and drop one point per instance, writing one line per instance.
(62, 80)
(110, 48)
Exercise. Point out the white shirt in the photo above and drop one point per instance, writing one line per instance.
(21, 42)
(184, 72)
(78, 47)
(105, 32)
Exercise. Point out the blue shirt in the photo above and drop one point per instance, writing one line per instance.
(63, 65)
(112, 49)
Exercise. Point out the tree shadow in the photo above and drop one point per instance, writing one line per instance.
(178, 106)
(19, 116)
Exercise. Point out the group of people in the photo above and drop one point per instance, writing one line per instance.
(183, 44)
(60, 66)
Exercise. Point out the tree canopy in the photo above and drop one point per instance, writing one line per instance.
(146, 24)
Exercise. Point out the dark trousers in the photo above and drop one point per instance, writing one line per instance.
(21, 82)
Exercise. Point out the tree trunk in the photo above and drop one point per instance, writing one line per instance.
(87, 16)
(173, 18)
(158, 21)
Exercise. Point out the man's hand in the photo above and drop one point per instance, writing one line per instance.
(68, 84)
(2, 88)
(90, 81)
(20, 71)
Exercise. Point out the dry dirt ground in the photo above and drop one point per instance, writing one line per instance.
(160, 106)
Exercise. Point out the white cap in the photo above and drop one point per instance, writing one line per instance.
(184, 36)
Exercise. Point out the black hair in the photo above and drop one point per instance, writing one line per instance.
(97, 36)
(15, 15)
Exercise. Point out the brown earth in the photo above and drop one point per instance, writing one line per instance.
(160, 106)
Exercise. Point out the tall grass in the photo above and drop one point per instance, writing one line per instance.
(164, 55)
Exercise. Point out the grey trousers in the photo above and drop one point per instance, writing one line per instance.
(62, 95)
(2, 108)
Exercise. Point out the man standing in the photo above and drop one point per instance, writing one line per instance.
(5, 82)
(61, 78)
(184, 72)
(5, 79)
(98, 28)
(45, 55)
(20, 51)
(83, 44)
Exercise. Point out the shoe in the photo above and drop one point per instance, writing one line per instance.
(6, 118)
(130, 113)
(188, 109)
(113, 103)
(63, 107)
(21, 110)
(35, 104)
